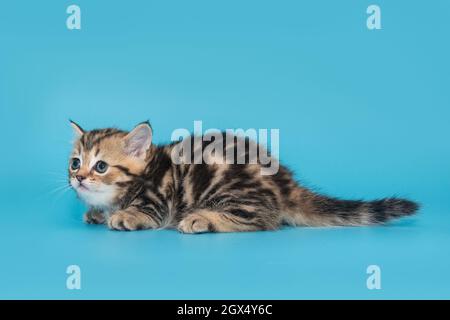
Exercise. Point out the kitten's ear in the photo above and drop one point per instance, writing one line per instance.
(76, 129)
(139, 140)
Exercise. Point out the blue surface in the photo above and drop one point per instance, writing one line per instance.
(361, 114)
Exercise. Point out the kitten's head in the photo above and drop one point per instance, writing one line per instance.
(104, 160)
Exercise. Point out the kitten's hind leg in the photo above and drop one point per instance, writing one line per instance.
(132, 219)
(209, 220)
(94, 216)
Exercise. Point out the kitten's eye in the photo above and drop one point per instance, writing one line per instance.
(75, 164)
(101, 166)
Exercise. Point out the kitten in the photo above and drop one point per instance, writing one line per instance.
(131, 184)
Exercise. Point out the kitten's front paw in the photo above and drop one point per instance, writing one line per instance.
(125, 221)
(194, 223)
(94, 217)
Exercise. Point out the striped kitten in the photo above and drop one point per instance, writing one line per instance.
(131, 184)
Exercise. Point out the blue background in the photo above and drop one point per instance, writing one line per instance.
(362, 114)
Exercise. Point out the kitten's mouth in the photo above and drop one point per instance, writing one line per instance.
(82, 187)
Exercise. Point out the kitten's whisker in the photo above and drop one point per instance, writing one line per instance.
(57, 189)
(59, 194)
(54, 191)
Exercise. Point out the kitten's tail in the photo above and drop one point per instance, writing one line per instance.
(319, 210)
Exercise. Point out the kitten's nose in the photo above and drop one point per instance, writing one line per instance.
(80, 178)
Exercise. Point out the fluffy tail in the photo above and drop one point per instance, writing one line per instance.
(319, 210)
